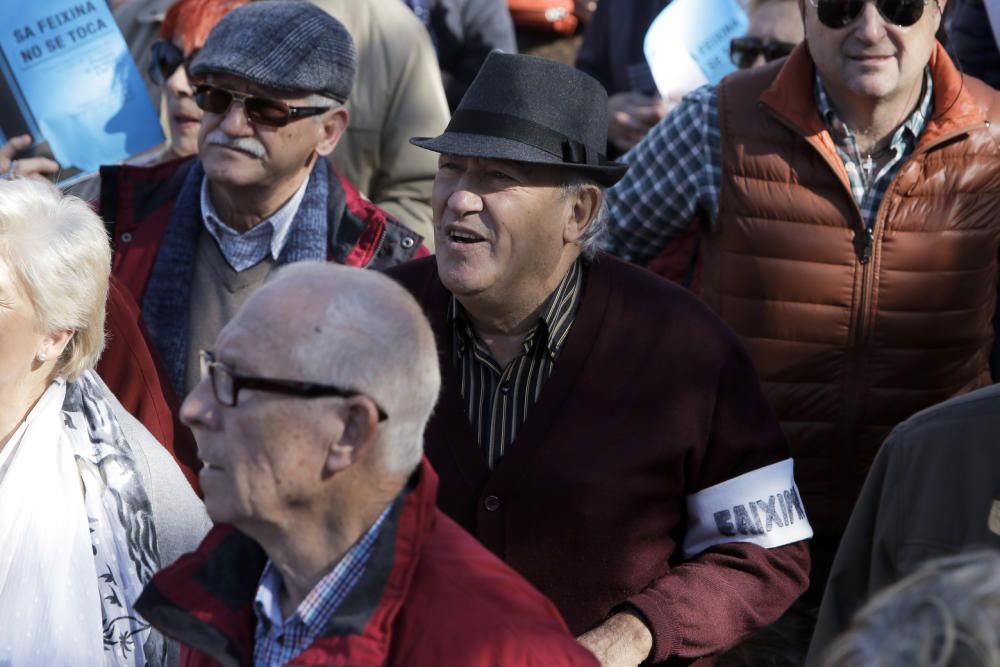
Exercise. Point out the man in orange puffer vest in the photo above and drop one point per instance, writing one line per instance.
(848, 202)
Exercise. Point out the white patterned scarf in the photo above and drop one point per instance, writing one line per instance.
(77, 540)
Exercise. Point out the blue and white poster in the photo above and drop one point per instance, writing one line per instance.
(687, 45)
(75, 82)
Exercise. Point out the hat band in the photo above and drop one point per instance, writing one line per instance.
(506, 126)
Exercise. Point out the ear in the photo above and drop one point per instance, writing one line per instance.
(360, 421)
(585, 204)
(52, 346)
(333, 124)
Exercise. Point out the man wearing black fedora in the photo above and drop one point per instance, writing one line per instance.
(599, 429)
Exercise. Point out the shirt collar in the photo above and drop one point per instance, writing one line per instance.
(555, 318)
(315, 611)
(911, 128)
(272, 231)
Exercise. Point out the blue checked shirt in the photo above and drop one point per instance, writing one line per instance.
(677, 172)
(277, 641)
(249, 248)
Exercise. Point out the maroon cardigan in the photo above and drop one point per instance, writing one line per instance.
(652, 399)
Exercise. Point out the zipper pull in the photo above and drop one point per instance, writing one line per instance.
(866, 246)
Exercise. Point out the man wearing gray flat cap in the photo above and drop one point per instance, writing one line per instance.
(194, 238)
(599, 429)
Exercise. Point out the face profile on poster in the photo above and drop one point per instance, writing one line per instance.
(68, 80)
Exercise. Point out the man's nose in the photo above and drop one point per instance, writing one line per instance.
(234, 121)
(464, 200)
(870, 26)
(200, 409)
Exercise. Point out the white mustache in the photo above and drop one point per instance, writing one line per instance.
(245, 144)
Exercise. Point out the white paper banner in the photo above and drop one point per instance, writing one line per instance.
(687, 44)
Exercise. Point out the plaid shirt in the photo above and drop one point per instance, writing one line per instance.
(677, 172)
(249, 248)
(868, 189)
(277, 641)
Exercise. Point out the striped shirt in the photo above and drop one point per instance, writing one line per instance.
(249, 248)
(276, 640)
(677, 172)
(497, 399)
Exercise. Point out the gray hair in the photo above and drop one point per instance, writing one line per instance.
(58, 249)
(945, 614)
(317, 100)
(590, 240)
(373, 337)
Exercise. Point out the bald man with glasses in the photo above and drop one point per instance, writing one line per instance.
(327, 548)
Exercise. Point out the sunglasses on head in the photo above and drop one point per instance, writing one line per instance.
(744, 51)
(166, 59)
(841, 13)
(259, 110)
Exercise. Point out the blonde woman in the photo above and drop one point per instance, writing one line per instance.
(90, 505)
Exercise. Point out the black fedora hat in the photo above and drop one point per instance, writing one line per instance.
(530, 109)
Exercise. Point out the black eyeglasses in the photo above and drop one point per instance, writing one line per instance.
(744, 51)
(226, 385)
(166, 59)
(841, 13)
(260, 110)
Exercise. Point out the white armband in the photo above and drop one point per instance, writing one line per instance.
(762, 507)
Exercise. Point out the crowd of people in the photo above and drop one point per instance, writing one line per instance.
(408, 349)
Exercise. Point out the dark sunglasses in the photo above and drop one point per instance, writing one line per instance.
(841, 13)
(259, 110)
(166, 59)
(743, 51)
(226, 385)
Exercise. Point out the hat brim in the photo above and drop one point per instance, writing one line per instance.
(479, 145)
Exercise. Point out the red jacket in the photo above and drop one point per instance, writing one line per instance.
(136, 204)
(430, 597)
(130, 368)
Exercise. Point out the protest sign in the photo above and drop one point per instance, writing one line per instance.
(687, 45)
(69, 80)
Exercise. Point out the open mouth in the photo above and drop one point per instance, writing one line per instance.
(464, 237)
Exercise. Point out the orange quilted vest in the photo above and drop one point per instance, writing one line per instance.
(852, 333)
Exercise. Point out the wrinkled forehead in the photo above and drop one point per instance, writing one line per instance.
(536, 174)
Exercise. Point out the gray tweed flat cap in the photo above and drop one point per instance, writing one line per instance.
(288, 45)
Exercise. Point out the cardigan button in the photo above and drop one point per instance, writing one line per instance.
(126, 237)
(491, 503)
